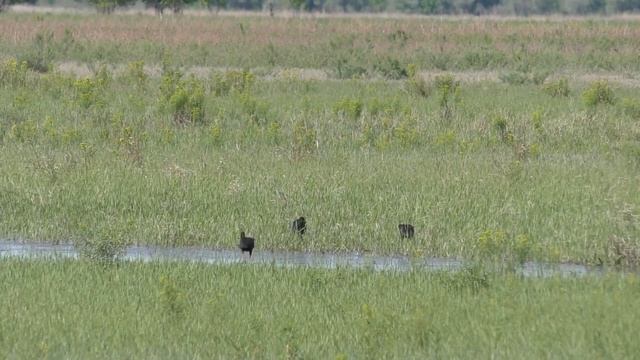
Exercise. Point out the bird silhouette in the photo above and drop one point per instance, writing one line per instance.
(246, 243)
(299, 225)
(406, 230)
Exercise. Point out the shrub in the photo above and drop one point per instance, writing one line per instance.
(536, 120)
(171, 297)
(347, 68)
(13, 73)
(171, 78)
(88, 92)
(348, 107)
(631, 107)
(514, 78)
(256, 110)
(500, 124)
(524, 77)
(103, 251)
(135, 72)
(598, 93)
(446, 138)
(238, 81)
(131, 143)
(388, 106)
(304, 138)
(406, 132)
(416, 84)
(496, 244)
(399, 36)
(559, 87)
(538, 77)
(390, 68)
(472, 278)
(24, 131)
(187, 102)
(39, 56)
(215, 131)
(448, 92)
(624, 251)
(348, 57)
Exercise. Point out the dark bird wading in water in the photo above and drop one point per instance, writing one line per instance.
(246, 243)
(299, 225)
(406, 231)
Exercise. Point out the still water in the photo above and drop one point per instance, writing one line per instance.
(327, 260)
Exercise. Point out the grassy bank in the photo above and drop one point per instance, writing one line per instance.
(178, 310)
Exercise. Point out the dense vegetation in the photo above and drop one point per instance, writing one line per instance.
(83, 310)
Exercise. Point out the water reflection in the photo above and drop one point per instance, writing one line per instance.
(288, 259)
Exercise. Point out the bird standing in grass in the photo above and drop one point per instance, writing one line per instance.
(299, 225)
(246, 243)
(406, 231)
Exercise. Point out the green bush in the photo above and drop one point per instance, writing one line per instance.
(136, 74)
(169, 82)
(101, 250)
(304, 138)
(448, 89)
(39, 56)
(514, 78)
(524, 77)
(406, 133)
(348, 107)
(256, 110)
(559, 87)
(631, 107)
(349, 59)
(598, 93)
(187, 102)
(496, 244)
(472, 278)
(13, 73)
(237, 81)
(416, 84)
(88, 92)
(390, 68)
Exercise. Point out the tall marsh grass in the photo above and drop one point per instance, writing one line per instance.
(95, 158)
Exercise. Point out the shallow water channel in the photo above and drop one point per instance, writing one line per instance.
(327, 260)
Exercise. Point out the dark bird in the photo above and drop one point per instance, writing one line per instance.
(246, 243)
(299, 225)
(406, 230)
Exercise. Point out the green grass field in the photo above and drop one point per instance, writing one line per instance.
(539, 161)
(83, 310)
(479, 168)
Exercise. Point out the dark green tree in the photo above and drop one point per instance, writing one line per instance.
(217, 4)
(297, 4)
(108, 6)
(547, 6)
(174, 5)
(5, 3)
(592, 6)
(246, 4)
(477, 7)
(627, 5)
(435, 6)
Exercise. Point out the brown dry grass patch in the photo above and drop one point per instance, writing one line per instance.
(438, 34)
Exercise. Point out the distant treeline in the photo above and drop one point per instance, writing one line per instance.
(435, 7)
